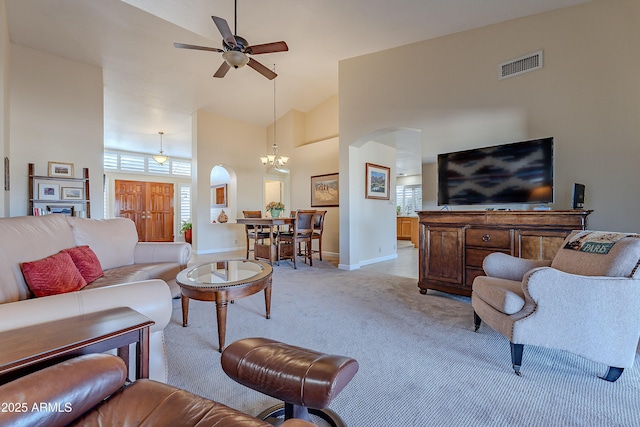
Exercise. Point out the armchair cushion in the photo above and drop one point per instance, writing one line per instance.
(622, 259)
(503, 295)
(509, 267)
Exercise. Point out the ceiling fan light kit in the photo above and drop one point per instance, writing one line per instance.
(235, 59)
(235, 49)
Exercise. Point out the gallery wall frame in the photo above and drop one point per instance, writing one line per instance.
(48, 191)
(325, 190)
(64, 210)
(377, 182)
(72, 193)
(62, 170)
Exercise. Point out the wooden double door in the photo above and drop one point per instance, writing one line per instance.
(149, 205)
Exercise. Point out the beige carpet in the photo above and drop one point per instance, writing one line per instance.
(420, 362)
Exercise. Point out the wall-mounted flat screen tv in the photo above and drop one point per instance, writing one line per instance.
(520, 172)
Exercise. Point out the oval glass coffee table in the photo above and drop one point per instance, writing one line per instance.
(224, 282)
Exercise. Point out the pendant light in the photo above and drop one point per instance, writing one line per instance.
(160, 158)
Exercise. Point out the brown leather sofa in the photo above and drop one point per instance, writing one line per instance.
(90, 390)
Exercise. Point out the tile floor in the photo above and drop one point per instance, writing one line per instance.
(406, 265)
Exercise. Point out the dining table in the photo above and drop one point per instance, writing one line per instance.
(272, 251)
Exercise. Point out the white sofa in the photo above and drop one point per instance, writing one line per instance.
(136, 275)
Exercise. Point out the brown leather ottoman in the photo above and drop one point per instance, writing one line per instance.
(307, 380)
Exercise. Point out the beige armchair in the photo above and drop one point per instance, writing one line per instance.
(586, 301)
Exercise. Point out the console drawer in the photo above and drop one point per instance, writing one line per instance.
(470, 274)
(488, 238)
(474, 257)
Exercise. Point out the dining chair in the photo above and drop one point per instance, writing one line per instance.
(255, 233)
(302, 231)
(318, 228)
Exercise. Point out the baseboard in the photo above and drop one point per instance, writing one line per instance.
(379, 259)
(215, 251)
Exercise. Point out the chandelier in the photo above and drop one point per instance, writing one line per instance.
(160, 158)
(274, 160)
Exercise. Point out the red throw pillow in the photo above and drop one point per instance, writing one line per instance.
(86, 261)
(54, 275)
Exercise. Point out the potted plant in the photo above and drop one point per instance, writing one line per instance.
(186, 230)
(275, 208)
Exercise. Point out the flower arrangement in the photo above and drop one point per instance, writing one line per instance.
(274, 205)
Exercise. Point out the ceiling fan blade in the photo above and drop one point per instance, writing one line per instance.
(268, 48)
(224, 29)
(191, 46)
(261, 69)
(222, 71)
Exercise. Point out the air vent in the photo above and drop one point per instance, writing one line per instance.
(521, 65)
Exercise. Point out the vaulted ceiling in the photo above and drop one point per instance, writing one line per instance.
(150, 86)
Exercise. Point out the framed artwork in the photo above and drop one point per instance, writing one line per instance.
(377, 181)
(62, 170)
(324, 190)
(219, 196)
(49, 191)
(7, 186)
(64, 210)
(72, 193)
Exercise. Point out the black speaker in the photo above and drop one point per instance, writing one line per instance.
(577, 196)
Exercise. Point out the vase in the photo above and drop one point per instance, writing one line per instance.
(275, 213)
(223, 217)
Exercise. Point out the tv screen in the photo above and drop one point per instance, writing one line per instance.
(520, 172)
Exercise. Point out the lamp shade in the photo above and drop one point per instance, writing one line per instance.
(160, 158)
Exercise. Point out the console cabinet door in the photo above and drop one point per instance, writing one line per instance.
(444, 254)
(532, 244)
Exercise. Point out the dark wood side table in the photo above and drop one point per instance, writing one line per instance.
(88, 333)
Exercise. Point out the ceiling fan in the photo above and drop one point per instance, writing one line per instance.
(235, 49)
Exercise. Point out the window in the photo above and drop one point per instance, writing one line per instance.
(131, 163)
(409, 198)
(179, 167)
(185, 202)
(144, 163)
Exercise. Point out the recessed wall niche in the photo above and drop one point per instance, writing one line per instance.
(220, 186)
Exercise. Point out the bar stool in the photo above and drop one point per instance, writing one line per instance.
(308, 380)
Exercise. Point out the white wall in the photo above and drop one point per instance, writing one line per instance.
(56, 115)
(587, 96)
(5, 151)
(237, 146)
(318, 158)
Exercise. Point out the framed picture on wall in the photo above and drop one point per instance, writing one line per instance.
(62, 170)
(377, 181)
(219, 196)
(324, 190)
(72, 193)
(64, 210)
(48, 191)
